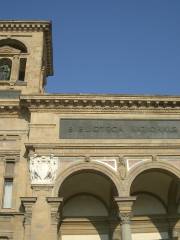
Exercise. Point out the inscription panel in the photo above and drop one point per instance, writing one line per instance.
(119, 129)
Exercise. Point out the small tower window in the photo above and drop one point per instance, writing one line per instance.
(13, 57)
(5, 69)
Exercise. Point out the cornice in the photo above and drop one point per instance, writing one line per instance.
(10, 154)
(92, 103)
(102, 103)
(9, 106)
(33, 26)
(104, 145)
(11, 213)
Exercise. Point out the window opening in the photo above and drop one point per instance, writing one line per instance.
(5, 69)
(8, 186)
(22, 69)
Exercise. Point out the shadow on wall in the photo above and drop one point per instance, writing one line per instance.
(157, 199)
(89, 210)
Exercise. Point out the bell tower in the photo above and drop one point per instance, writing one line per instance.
(25, 55)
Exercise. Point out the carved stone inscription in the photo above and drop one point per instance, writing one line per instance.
(119, 129)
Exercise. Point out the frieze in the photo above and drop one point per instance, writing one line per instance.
(9, 105)
(9, 109)
(119, 129)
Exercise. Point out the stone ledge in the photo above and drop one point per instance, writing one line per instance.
(109, 103)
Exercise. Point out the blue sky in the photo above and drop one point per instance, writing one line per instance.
(109, 46)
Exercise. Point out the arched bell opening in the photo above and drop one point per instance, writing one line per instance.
(14, 43)
(156, 206)
(13, 59)
(88, 211)
(5, 69)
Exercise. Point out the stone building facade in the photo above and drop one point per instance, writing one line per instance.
(81, 167)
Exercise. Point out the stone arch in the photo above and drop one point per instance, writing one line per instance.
(14, 43)
(83, 166)
(160, 165)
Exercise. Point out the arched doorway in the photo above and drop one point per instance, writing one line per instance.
(156, 208)
(88, 211)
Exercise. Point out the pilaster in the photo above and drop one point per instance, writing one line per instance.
(27, 203)
(55, 209)
(15, 69)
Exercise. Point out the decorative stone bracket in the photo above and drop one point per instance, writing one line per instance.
(55, 205)
(27, 203)
(125, 207)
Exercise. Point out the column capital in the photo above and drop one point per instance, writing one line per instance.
(27, 203)
(55, 204)
(125, 217)
(124, 205)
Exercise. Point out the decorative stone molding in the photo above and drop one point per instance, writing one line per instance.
(43, 169)
(108, 103)
(55, 205)
(9, 156)
(6, 235)
(122, 167)
(9, 50)
(9, 107)
(84, 166)
(125, 217)
(27, 203)
(24, 25)
(97, 103)
(125, 208)
(106, 145)
(9, 137)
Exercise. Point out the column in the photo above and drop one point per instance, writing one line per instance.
(125, 213)
(15, 68)
(55, 208)
(27, 203)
